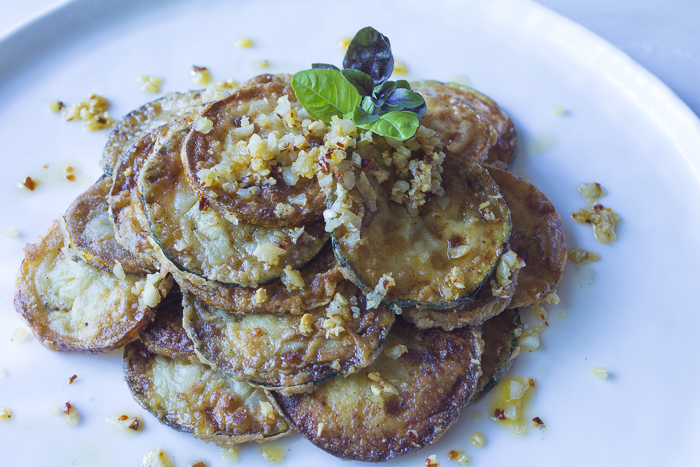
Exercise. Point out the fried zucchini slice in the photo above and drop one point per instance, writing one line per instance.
(289, 353)
(148, 117)
(501, 335)
(166, 335)
(491, 299)
(72, 306)
(89, 232)
(464, 130)
(193, 398)
(243, 164)
(439, 258)
(198, 239)
(319, 278)
(538, 238)
(402, 402)
(502, 153)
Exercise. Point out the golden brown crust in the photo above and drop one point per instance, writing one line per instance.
(434, 379)
(282, 353)
(74, 307)
(202, 151)
(146, 118)
(321, 278)
(465, 131)
(192, 398)
(415, 250)
(125, 208)
(537, 238)
(90, 233)
(197, 239)
(500, 335)
(484, 306)
(165, 335)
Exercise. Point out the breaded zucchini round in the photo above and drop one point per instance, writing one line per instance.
(464, 130)
(193, 398)
(242, 162)
(289, 353)
(89, 232)
(493, 297)
(502, 152)
(72, 306)
(148, 117)
(440, 254)
(404, 401)
(166, 335)
(537, 238)
(501, 335)
(198, 239)
(295, 292)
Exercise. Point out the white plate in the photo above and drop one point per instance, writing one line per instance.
(633, 311)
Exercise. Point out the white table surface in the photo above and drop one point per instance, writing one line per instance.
(661, 35)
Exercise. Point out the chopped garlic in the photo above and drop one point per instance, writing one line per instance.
(319, 428)
(267, 410)
(70, 415)
(396, 351)
(581, 256)
(156, 458)
(375, 298)
(150, 83)
(292, 279)
(601, 218)
(203, 125)
(118, 271)
(306, 325)
(243, 42)
(124, 422)
(478, 439)
(431, 461)
(11, 231)
(151, 296)
(5, 413)
(19, 335)
(600, 372)
(200, 75)
(261, 296)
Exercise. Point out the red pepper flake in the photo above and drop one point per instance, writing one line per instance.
(71, 177)
(531, 383)
(29, 183)
(67, 407)
(123, 417)
(325, 166)
(498, 413)
(538, 422)
(279, 245)
(452, 455)
(339, 176)
(203, 203)
(199, 68)
(69, 169)
(46, 166)
(101, 120)
(72, 378)
(291, 358)
(199, 464)
(135, 425)
(598, 207)
(257, 331)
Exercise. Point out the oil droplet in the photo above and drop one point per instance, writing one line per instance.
(272, 452)
(541, 143)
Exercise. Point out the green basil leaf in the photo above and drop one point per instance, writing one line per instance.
(324, 66)
(370, 52)
(405, 98)
(362, 81)
(403, 84)
(360, 117)
(384, 90)
(325, 93)
(397, 125)
(368, 106)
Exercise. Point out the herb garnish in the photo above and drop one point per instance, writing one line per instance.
(361, 91)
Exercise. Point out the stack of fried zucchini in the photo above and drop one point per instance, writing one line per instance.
(363, 303)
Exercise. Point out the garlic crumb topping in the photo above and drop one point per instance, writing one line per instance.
(396, 351)
(292, 279)
(93, 112)
(118, 271)
(156, 458)
(337, 315)
(601, 218)
(581, 256)
(150, 83)
(260, 296)
(267, 410)
(381, 386)
(600, 372)
(203, 125)
(375, 298)
(306, 325)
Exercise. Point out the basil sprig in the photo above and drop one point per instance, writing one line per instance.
(361, 91)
